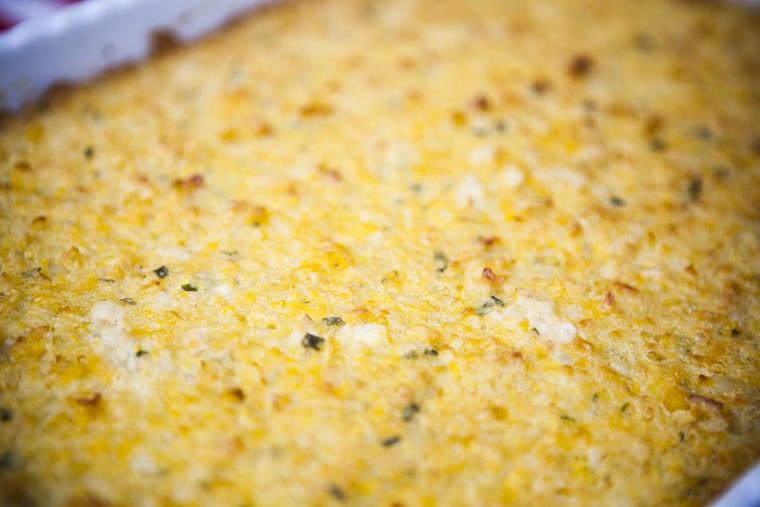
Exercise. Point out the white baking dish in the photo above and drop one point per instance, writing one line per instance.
(80, 40)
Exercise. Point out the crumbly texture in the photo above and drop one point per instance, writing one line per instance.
(399, 253)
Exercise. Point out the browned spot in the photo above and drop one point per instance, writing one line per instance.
(541, 86)
(413, 96)
(407, 63)
(293, 189)
(458, 118)
(255, 215)
(609, 298)
(86, 500)
(236, 393)
(330, 172)
(163, 41)
(489, 241)
(480, 103)
(39, 219)
(488, 274)
(234, 445)
(315, 109)
(190, 183)
(704, 379)
(755, 146)
(653, 125)
(89, 400)
(57, 93)
(264, 129)
(280, 401)
(704, 401)
(690, 269)
(499, 412)
(22, 165)
(624, 287)
(229, 134)
(621, 109)
(580, 66)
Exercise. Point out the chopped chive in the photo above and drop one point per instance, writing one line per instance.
(312, 341)
(409, 411)
(333, 321)
(391, 441)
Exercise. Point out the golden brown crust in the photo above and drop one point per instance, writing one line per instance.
(391, 253)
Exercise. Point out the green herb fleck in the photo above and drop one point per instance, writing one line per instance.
(6, 414)
(657, 144)
(703, 132)
(624, 407)
(439, 256)
(755, 145)
(409, 411)
(488, 305)
(721, 172)
(333, 321)
(735, 333)
(431, 352)
(695, 189)
(162, 272)
(312, 341)
(391, 441)
(644, 42)
(336, 493)
(616, 201)
(189, 287)
(681, 436)
(8, 460)
(141, 353)
(31, 272)
(565, 417)
(128, 301)
(89, 152)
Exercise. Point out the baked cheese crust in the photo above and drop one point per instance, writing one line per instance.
(400, 253)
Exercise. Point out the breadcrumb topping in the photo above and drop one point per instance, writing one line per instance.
(391, 253)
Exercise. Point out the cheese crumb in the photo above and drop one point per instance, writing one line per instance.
(108, 313)
(469, 192)
(542, 317)
(482, 155)
(364, 336)
(512, 176)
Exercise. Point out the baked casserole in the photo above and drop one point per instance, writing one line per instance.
(400, 253)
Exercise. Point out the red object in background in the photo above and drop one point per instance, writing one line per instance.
(13, 12)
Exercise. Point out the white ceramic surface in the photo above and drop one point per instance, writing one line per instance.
(81, 40)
